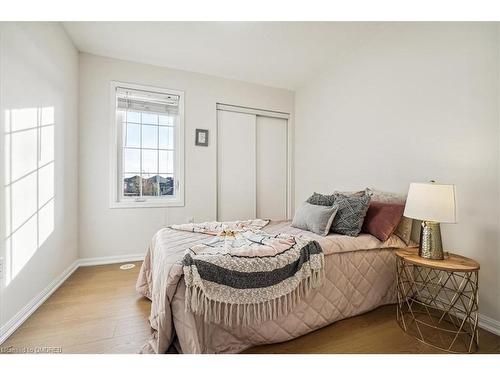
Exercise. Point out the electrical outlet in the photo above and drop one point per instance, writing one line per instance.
(190, 219)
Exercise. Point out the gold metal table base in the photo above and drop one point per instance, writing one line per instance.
(438, 307)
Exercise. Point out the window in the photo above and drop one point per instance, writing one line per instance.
(147, 168)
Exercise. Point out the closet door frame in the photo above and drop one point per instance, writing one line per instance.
(289, 153)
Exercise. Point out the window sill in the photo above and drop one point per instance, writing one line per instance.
(148, 204)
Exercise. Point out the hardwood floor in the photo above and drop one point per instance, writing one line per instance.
(97, 310)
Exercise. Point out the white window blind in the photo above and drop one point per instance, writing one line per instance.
(149, 102)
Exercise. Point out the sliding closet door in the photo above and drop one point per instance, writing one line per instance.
(236, 186)
(271, 168)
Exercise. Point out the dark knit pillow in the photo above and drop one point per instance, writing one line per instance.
(351, 213)
(321, 199)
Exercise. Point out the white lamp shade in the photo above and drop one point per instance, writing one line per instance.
(431, 202)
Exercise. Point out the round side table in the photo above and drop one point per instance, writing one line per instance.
(438, 300)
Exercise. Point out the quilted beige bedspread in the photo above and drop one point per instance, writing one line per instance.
(359, 274)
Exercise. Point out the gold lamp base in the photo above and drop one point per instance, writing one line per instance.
(431, 246)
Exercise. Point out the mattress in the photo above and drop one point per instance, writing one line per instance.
(359, 276)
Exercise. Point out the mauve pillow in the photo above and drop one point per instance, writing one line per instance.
(382, 219)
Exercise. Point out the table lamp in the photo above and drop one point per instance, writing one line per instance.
(433, 204)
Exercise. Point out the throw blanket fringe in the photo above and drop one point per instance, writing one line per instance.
(245, 276)
(249, 313)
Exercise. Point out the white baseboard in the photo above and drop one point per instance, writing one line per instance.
(486, 323)
(83, 262)
(15, 322)
(489, 324)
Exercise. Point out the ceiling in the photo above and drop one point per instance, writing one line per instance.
(279, 54)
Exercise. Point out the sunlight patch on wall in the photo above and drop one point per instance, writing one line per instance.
(29, 184)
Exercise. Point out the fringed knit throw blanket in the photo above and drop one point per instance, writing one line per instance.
(246, 276)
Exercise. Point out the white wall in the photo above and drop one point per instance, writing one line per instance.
(39, 68)
(417, 102)
(114, 232)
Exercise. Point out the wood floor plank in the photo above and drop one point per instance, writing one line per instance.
(97, 310)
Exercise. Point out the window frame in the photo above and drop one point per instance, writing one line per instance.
(117, 200)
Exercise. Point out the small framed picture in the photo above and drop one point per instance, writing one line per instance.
(201, 137)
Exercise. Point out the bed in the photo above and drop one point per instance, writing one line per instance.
(359, 276)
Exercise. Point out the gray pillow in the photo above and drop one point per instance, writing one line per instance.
(314, 218)
(351, 213)
(321, 199)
